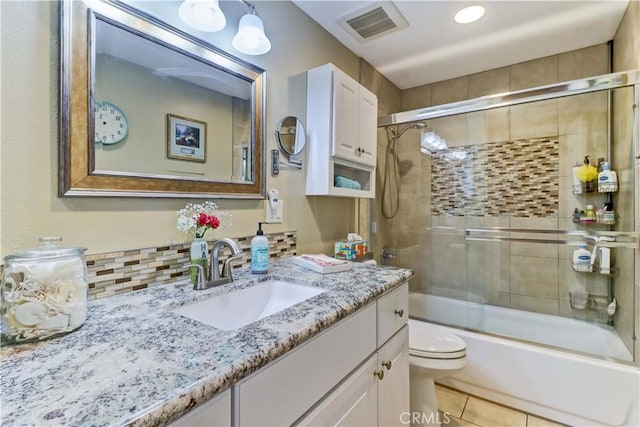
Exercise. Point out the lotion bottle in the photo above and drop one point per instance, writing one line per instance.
(582, 259)
(607, 179)
(259, 252)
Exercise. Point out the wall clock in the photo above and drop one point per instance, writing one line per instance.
(111, 124)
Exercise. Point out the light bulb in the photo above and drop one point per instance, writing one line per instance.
(251, 38)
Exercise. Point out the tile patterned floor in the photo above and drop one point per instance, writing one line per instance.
(464, 410)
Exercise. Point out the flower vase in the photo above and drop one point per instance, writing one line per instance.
(199, 250)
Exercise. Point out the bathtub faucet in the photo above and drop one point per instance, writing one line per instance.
(388, 254)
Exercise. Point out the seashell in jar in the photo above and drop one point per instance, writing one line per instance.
(30, 313)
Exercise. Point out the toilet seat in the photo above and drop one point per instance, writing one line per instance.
(432, 342)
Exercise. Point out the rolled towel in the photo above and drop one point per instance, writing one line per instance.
(344, 182)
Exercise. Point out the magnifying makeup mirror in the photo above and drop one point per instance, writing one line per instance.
(291, 137)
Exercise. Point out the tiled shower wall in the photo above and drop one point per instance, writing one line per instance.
(535, 277)
(626, 56)
(518, 178)
(530, 276)
(126, 271)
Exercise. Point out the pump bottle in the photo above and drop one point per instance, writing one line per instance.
(259, 252)
(607, 179)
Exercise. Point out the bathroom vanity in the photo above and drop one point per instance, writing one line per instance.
(137, 362)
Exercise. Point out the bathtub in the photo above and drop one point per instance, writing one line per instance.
(566, 387)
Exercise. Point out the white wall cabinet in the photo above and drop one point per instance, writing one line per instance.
(341, 119)
(355, 115)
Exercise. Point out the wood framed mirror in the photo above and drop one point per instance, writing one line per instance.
(147, 110)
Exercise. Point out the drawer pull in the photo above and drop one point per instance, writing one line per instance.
(387, 364)
(400, 312)
(379, 374)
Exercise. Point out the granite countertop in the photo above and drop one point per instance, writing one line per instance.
(134, 362)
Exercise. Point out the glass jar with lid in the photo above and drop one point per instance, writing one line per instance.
(44, 292)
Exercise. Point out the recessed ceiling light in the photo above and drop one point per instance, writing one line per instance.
(469, 14)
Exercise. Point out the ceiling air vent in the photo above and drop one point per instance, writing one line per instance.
(373, 21)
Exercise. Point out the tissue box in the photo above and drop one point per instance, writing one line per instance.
(350, 250)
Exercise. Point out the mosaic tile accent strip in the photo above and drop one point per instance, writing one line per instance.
(119, 272)
(518, 178)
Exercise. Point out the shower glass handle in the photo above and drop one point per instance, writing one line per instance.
(635, 131)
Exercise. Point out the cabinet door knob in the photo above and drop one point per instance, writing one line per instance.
(400, 312)
(387, 364)
(379, 374)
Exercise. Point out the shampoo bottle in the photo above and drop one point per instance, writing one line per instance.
(259, 252)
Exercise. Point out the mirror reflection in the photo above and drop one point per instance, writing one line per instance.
(291, 136)
(181, 117)
(150, 111)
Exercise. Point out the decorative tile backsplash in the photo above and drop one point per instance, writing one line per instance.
(119, 272)
(518, 178)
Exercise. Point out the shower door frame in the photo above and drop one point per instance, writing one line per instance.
(604, 82)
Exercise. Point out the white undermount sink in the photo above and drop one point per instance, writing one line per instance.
(239, 308)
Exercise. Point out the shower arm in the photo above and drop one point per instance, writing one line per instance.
(396, 134)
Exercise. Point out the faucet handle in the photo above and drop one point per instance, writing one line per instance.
(227, 269)
(200, 277)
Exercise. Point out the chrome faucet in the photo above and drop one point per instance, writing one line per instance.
(227, 275)
(216, 278)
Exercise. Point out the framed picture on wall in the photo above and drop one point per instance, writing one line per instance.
(186, 139)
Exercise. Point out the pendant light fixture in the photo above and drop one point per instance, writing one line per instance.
(203, 15)
(250, 38)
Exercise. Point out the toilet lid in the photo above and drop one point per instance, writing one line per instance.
(428, 340)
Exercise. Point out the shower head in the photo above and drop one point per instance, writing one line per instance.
(417, 125)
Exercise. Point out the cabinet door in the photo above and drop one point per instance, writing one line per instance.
(352, 404)
(367, 127)
(393, 389)
(215, 412)
(282, 392)
(345, 116)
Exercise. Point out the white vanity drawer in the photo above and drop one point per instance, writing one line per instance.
(393, 312)
(283, 391)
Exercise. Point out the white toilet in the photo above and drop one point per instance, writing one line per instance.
(433, 353)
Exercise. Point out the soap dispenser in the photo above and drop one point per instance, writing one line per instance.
(259, 252)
